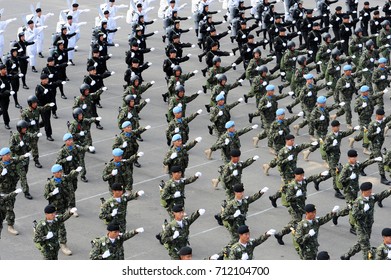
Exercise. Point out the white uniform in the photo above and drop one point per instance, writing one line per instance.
(30, 36)
(75, 19)
(71, 28)
(40, 21)
(3, 26)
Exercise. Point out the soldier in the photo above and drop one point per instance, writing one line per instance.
(20, 145)
(383, 251)
(357, 44)
(22, 57)
(56, 73)
(178, 77)
(288, 61)
(180, 125)
(12, 64)
(130, 112)
(120, 171)
(384, 38)
(111, 246)
(244, 248)
(173, 191)
(307, 231)
(298, 79)
(222, 85)
(127, 140)
(255, 62)
(186, 253)
(380, 80)
(47, 232)
(228, 141)
(5, 92)
(324, 52)
(96, 84)
(176, 233)
(170, 62)
(135, 69)
(4, 198)
(59, 191)
(136, 88)
(367, 60)
(214, 70)
(363, 214)
(114, 209)
(179, 100)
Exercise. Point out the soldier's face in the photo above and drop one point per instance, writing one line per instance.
(179, 215)
(186, 257)
(178, 115)
(34, 105)
(256, 55)
(335, 129)
(239, 195)
(177, 175)
(244, 237)
(366, 193)
(50, 216)
(310, 215)
(178, 143)
(352, 160)
(113, 234)
(290, 142)
(220, 102)
(379, 117)
(57, 174)
(235, 159)
(117, 158)
(231, 129)
(80, 117)
(131, 103)
(387, 240)
(69, 142)
(117, 194)
(128, 129)
(6, 157)
(299, 177)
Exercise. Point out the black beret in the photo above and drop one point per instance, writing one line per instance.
(50, 58)
(376, 12)
(175, 168)
(323, 255)
(282, 29)
(235, 153)
(184, 251)
(277, 17)
(172, 50)
(309, 208)
(289, 137)
(238, 188)
(345, 16)
(75, 5)
(95, 50)
(50, 209)
(44, 76)
(299, 171)
(38, 10)
(106, 12)
(352, 153)
(117, 187)
(134, 44)
(309, 11)
(30, 22)
(366, 186)
(69, 17)
(135, 60)
(2, 66)
(177, 208)
(315, 24)
(366, 3)
(176, 36)
(386, 232)
(380, 111)
(250, 36)
(338, 8)
(139, 5)
(335, 123)
(243, 229)
(113, 226)
(90, 68)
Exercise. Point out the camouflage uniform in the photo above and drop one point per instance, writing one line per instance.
(288, 63)
(4, 198)
(258, 86)
(383, 40)
(211, 80)
(137, 91)
(251, 71)
(320, 120)
(175, 100)
(75, 127)
(180, 126)
(238, 250)
(217, 89)
(298, 81)
(182, 158)
(220, 121)
(88, 103)
(346, 88)
(380, 82)
(131, 146)
(131, 114)
(383, 252)
(172, 82)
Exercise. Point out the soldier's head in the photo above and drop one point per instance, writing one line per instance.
(302, 60)
(68, 139)
(180, 90)
(309, 13)
(280, 114)
(126, 126)
(30, 24)
(347, 69)
(214, 46)
(289, 140)
(178, 212)
(352, 157)
(63, 29)
(323, 255)
(270, 90)
(299, 174)
(335, 54)
(186, 253)
(220, 99)
(75, 7)
(216, 61)
(310, 212)
(22, 126)
(130, 99)
(177, 111)
(366, 5)
(321, 101)
(263, 71)
(243, 24)
(358, 31)
(134, 46)
(235, 155)
(95, 52)
(281, 32)
(69, 19)
(385, 24)
(345, 18)
(39, 12)
(50, 61)
(91, 70)
(316, 26)
(244, 234)
(14, 52)
(382, 63)
(376, 14)
(85, 89)
(327, 38)
(257, 53)
(50, 212)
(56, 170)
(32, 101)
(117, 190)
(135, 62)
(176, 140)
(238, 191)
(230, 126)
(366, 189)
(177, 24)
(117, 154)
(379, 114)
(3, 69)
(386, 233)
(291, 46)
(364, 90)
(335, 126)
(21, 36)
(113, 230)
(60, 44)
(5, 154)
(135, 80)
(222, 79)
(44, 79)
(172, 3)
(370, 45)
(250, 38)
(176, 172)
(177, 70)
(309, 79)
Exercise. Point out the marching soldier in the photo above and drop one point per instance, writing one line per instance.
(80, 128)
(130, 112)
(383, 251)
(380, 79)
(4, 198)
(180, 125)
(179, 100)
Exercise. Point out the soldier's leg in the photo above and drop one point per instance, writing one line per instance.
(348, 111)
(293, 104)
(82, 163)
(24, 165)
(35, 152)
(9, 209)
(364, 236)
(62, 234)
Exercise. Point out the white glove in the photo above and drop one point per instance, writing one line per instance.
(240, 81)
(106, 254)
(311, 232)
(235, 172)
(379, 159)
(244, 256)
(265, 189)
(338, 68)
(91, 149)
(198, 139)
(321, 118)
(21, 143)
(291, 93)
(18, 190)
(110, 55)
(55, 191)
(147, 127)
(152, 82)
(290, 157)
(329, 83)
(201, 211)
(49, 235)
(240, 100)
(79, 168)
(114, 172)
(12, 92)
(173, 155)
(114, 212)
(366, 207)
(140, 154)
(130, 115)
(2, 85)
(198, 174)
(69, 158)
(328, 51)
(20, 75)
(335, 142)
(176, 234)
(140, 193)
(147, 100)
(299, 193)
(335, 209)
(93, 82)
(268, 104)
(264, 83)
(32, 122)
(300, 114)
(220, 113)
(139, 230)
(309, 94)
(347, 85)
(198, 92)
(63, 82)
(255, 126)
(60, 57)
(365, 70)
(45, 91)
(4, 172)
(84, 106)
(26, 155)
(280, 132)
(325, 173)
(271, 232)
(112, 73)
(177, 194)
(82, 133)
(237, 213)
(124, 144)
(117, 45)
(73, 210)
(214, 257)
(195, 71)
(39, 134)
(316, 39)
(13, 66)
(199, 112)
(310, 52)
(256, 157)
(382, 77)
(98, 118)
(353, 176)
(378, 130)
(226, 142)
(315, 143)
(364, 104)
(357, 127)
(176, 130)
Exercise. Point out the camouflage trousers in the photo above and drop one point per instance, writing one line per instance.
(307, 120)
(49, 252)
(307, 252)
(363, 135)
(7, 212)
(34, 148)
(332, 160)
(347, 110)
(296, 216)
(23, 169)
(376, 152)
(363, 242)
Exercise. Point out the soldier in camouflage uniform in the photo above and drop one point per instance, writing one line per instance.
(384, 38)
(114, 209)
(130, 112)
(179, 99)
(178, 154)
(294, 195)
(333, 70)
(357, 44)
(80, 128)
(288, 61)
(211, 80)
(307, 231)
(380, 80)
(180, 125)
(255, 62)
(127, 140)
(176, 233)
(383, 251)
(324, 52)
(119, 170)
(4, 198)
(367, 61)
(59, 191)
(31, 115)
(111, 246)
(228, 141)
(173, 191)
(178, 78)
(220, 114)
(46, 232)
(9, 177)
(221, 86)
(363, 214)
(298, 80)
(20, 145)
(136, 88)
(244, 248)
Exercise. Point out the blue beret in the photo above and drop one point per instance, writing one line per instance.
(364, 88)
(56, 168)
(229, 124)
(176, 137)
(5, 151)
(269, 87)
(117, 152)
(67, 136)
(308, 76)
(321, 99)
(125, 124)
(382, 60)
(221, 96)
(347, 67)
(280, 112)
(177, 110)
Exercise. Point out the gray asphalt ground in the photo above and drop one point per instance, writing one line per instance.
(207, 237)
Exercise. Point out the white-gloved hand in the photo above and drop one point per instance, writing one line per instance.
(290, 157)
(244, 257)
(152, 82)
(198, 139)
(199, 112)
(55, 191)
(240, 100)
(114, 172)
(335, 209)
(268, 104)
(82, 133)
(198, 174)
(140, 154)
(235, 172)
(79, 168)
(220, 113)
(309, 94)
(98, 118)
(265, 189)
(366, 207)
(84, 106)
(124, 144)
(198, 93)
(49, 235)
(117, 45)
(315, 143)
(140, 230)
(12, 92)
(39, 134)
(114, 212)
(73, 210)
(176, 234)
(226, 142)
(256, 157)
(110, 55)
(214, 257)
(322, 118)
(325, 173)
(69, 158)
(26, 155)
(378, 159)
(32, 122)
(335, 142)
(176, 130)
(353, 176)
(147, 100)
(237, 213)
(130, 115)
(357, 127)
(280, 132)
(378, 130)
(364, 104)
(63, 82)
(311, 232)
(4, 172)
(385, 90)
(201, 211)
(255, 126)
(342, 104)
(21, 143)
(195, 71)
(299, 193)
(91, 149)
(264, 83)
(106, 254)
(45, 91)
(173, 155)
(112, 73)
(301, 114)
(271, 232)
(382, 77)
(18, 190)
(93, 82)
(177, 194)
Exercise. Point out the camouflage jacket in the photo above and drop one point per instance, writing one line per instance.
(106, 209)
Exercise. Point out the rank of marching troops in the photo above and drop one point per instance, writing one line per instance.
(350, 61)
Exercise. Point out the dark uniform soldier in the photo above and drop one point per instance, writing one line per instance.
(4, 198)
(46, 232)
(5, 92)
(12, 64)
(111, 246)
(56, 73)
(180, 125)
(172, 60)
(375, 23)
(23, 62)
(135, 69)
(114, 209)
(336, 21)
(98, 61)
(176, 233)
(383, 251)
